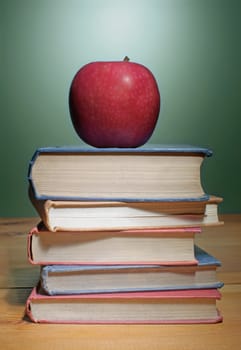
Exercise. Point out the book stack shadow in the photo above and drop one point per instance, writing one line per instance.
(116, 236)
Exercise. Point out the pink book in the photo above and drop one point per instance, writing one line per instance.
(163, 307)
(152, 246)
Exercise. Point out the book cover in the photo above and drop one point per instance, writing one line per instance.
(81, 279)
(162, 307)
(141, 174)
(149, 246)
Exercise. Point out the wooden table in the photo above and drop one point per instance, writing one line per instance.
(18, 277)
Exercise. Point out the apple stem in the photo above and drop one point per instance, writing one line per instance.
(126, 59)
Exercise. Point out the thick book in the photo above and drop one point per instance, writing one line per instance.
(82, 279)
(84, 215)
(189, 306)
(161, 246)
(137, 174)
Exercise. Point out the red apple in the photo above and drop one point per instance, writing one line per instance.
(114, 104)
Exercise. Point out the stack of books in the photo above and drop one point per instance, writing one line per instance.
(116, 237)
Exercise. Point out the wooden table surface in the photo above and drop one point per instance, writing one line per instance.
(18, 277)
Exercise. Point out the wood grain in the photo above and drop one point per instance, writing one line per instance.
(18, 276)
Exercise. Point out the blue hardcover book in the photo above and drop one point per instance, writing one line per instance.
(75, 279)
(149, 173)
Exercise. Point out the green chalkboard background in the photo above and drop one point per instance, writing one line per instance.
(191, 46)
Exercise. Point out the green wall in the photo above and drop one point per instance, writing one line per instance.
(191, 46)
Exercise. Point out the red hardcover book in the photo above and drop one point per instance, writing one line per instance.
(154, 246)
(189, 306)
